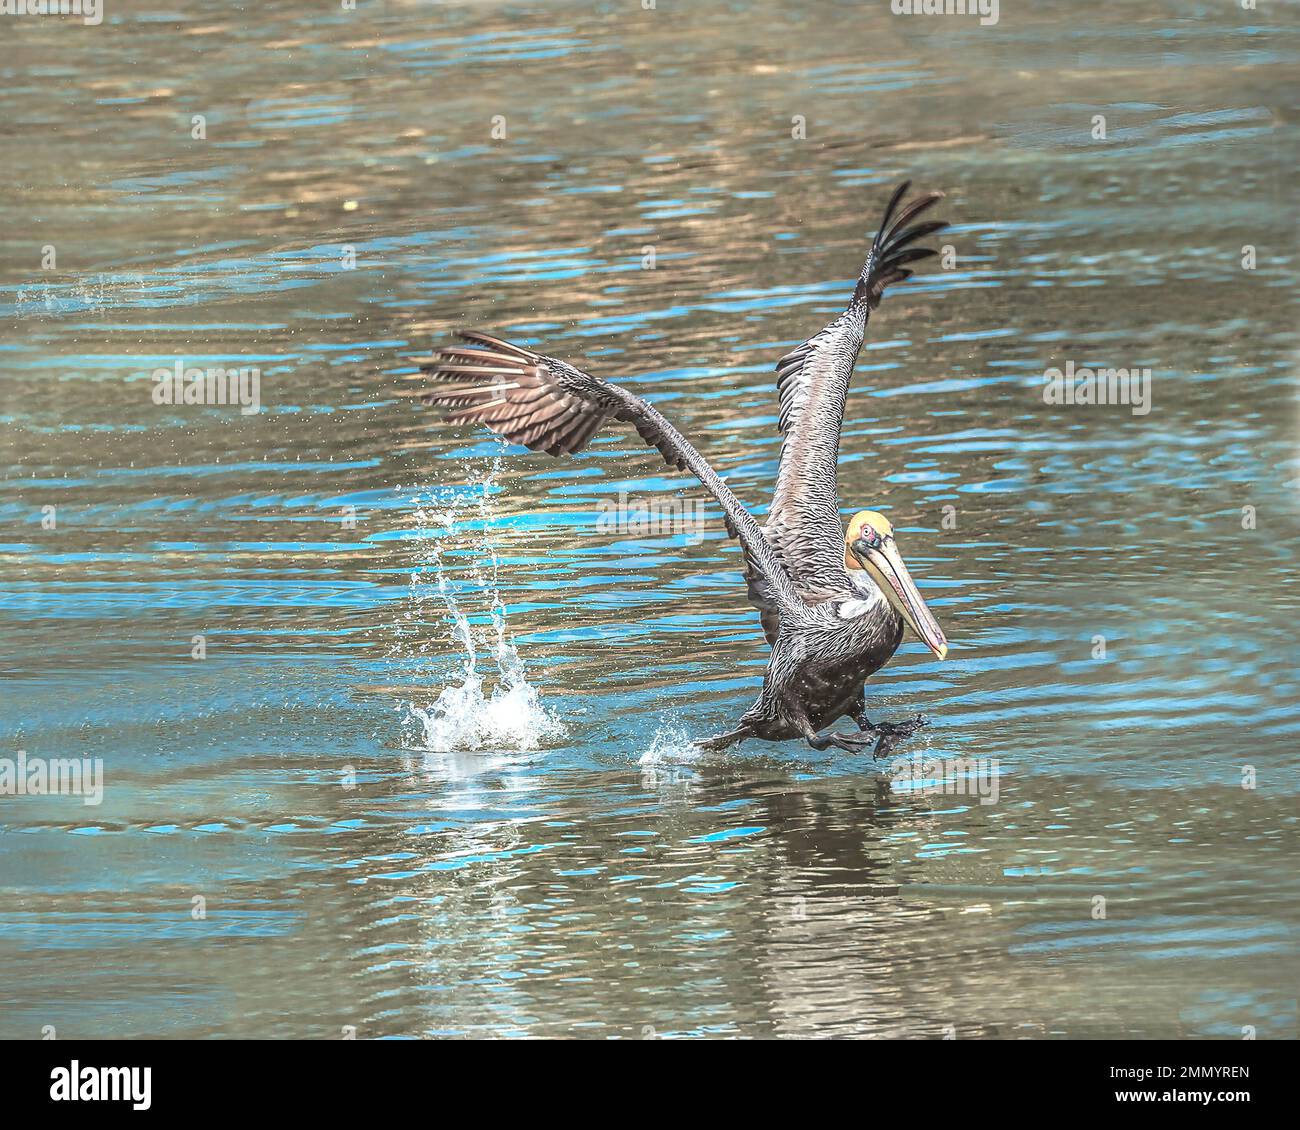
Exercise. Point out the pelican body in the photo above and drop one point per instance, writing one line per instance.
(834, 603)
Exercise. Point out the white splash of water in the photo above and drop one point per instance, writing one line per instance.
(478, 712)
(666, 767)
(671, 745)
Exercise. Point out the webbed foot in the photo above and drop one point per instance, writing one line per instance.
(849, 742)
(887, 734)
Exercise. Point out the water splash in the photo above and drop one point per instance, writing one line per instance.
(671, 745)
(666, 767)
(479, 711)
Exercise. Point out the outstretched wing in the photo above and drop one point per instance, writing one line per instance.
(548, 405)
(803, 524)
(519, 394)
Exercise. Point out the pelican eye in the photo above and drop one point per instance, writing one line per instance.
(869, 537)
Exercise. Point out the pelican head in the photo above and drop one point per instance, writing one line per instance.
(869, 544)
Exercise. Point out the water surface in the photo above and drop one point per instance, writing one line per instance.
(433, 775)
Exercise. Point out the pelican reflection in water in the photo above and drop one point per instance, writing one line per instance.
(834, 604)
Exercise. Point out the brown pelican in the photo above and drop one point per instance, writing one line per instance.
(833, 604)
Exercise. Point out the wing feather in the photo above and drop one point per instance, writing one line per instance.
(803, 524)
(548, 405)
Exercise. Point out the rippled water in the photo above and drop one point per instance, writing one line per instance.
(434, 774)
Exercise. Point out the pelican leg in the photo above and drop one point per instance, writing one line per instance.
(850, 743)
(722, 741)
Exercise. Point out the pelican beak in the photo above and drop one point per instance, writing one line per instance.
(886, 568)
